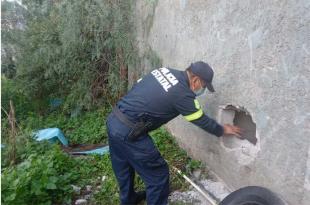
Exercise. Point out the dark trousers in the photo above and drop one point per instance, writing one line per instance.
(141, 156)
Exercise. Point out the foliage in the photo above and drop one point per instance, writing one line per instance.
(47, 165)
(19, 150)
(22, 103)
(45, 173)
(75, 50)
(108, 192)
(89, 127)
(40, 179)
(12, 19)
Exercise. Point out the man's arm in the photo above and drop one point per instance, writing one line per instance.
(189, 107)
(210, 125)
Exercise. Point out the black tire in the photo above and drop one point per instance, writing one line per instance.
(252, 195)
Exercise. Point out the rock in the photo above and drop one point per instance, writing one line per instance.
(188, 197)
(76, 189)
(103, 178)
(87, 196)
(197, 173)
(216, 188)
(88, 188)
(80, 202)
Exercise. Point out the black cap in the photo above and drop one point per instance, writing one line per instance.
(205, 72)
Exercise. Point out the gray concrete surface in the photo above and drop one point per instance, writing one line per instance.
(210, 184)
(260, 51)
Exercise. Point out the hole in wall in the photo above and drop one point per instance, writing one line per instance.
(240, 117)
(246, 148)
(245, 122)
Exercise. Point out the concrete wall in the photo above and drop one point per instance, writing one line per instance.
(260, 51)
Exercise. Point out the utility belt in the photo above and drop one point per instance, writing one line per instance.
(137, 129)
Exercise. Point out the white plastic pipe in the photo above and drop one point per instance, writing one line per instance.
(204, 194)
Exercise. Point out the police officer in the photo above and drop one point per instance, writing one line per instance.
(157, 98)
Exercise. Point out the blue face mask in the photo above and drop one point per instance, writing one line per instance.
(200, 91)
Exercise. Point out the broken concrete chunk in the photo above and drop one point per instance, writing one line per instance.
(80, 202)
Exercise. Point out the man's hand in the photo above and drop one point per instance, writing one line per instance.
(232, 130)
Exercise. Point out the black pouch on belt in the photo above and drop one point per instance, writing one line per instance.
(137, 129)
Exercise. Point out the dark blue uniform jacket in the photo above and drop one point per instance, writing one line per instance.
(162, 95)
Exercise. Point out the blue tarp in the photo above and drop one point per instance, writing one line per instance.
(56, 102)
(55, 134)
(52, 135)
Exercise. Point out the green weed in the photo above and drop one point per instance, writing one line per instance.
(45, 174)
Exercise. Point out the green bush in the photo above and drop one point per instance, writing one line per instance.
(9, 91)
(75, 50)
(43, 178)
(88, 127)
(109, 192)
